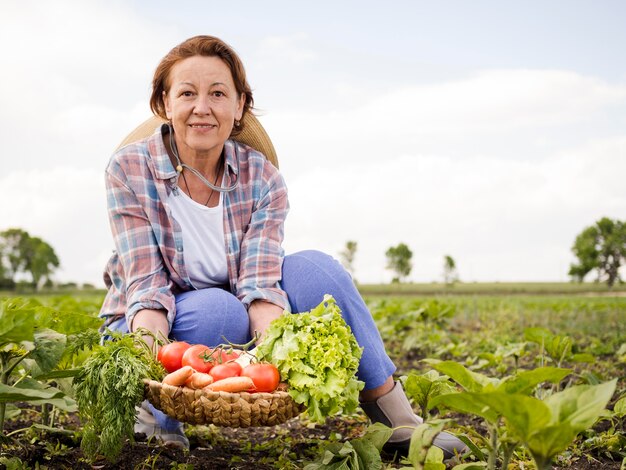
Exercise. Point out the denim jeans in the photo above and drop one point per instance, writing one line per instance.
(207, 316)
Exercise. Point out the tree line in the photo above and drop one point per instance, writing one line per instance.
(25, 259)
(599, 248)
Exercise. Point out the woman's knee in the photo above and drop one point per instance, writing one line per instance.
(209, 316)
(313, 263)
(309, 275)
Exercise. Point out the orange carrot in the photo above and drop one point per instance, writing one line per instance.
(199, 380)
(178, 377)
(232, 384)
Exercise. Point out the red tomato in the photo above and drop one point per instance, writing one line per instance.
(199, 358)
(222, 371)
(171, 355)
(265, 376)
(228, 356)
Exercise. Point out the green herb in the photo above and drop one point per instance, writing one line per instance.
(318, 356)
(108, 388)
(362, 453)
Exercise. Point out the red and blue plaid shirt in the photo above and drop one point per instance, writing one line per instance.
(147, 268)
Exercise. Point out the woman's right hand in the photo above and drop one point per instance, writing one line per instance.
(154, 321)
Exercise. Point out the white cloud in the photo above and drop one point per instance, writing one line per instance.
(500, 112)
(500, 219)
(76, 78)
(508, 206)
(290, 49)
(66, 207)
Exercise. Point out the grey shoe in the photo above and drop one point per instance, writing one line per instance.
(393, 410)
(146, 424)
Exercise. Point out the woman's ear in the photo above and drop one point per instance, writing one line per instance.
(166, 103)
(240, 105)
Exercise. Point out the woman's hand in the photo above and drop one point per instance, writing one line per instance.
(261, 314)
(154, 321)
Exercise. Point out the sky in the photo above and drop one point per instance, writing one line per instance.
(490, 131)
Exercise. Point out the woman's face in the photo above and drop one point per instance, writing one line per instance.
(203, 104)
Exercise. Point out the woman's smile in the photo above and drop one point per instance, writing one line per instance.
(203, 105)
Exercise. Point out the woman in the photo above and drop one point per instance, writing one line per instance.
(197, 219)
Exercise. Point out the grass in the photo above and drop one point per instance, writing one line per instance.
(491, 288)
(410, 289)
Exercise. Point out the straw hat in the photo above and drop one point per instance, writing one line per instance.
(252, 134)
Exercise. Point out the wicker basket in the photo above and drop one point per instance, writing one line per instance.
(237, 410)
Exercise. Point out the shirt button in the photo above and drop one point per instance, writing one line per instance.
(179, 248)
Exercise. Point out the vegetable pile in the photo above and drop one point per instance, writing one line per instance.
(219, 369)
(318, 356)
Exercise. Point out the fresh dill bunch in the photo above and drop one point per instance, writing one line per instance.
(85, 340)
(108, 388)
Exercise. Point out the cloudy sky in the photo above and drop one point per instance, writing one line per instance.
(491, 131)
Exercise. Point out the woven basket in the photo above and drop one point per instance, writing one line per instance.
(237, 410)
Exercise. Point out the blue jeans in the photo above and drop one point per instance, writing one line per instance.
(207, 316)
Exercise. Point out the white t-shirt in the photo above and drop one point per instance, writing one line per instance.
(204, 249)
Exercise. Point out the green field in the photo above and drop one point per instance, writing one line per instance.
(492, 331)
(492, 288)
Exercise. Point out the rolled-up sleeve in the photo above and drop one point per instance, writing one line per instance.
(261, 258)
(147, 284)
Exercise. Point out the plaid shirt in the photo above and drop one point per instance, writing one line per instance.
(147, 268)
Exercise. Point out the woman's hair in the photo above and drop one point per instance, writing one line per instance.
(208, 46)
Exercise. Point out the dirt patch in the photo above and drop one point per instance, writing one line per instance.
(288, 446)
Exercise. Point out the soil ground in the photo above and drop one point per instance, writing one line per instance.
(287, 446)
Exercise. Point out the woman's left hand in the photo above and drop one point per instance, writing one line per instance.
(261, 314)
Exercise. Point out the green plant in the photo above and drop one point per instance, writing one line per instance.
(318, 356)
(358, 454)
(108, 387)
(14, 463)
(501, 440)
(423, 455)
(54, 449)
(545, 427)
(423, 388)
(181, 466)
(34, 342)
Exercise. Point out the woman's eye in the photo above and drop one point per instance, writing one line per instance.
(186, 94)
(219, 94)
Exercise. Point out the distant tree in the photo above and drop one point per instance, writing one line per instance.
(450, 275)
(347, 256)
(41, 261)
(399, 260)
(13, 246)
(22, 254)
(601, 247)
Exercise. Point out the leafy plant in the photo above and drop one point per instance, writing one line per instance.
(619, 409)
(548, 427)
(358, 454)
(419, 325)
(545, 427)
(422, 388)
(557, 347)
(423, 455)
(318, 356)
(503, 351)
(108, 388)
(33, 341)
(476, 385)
